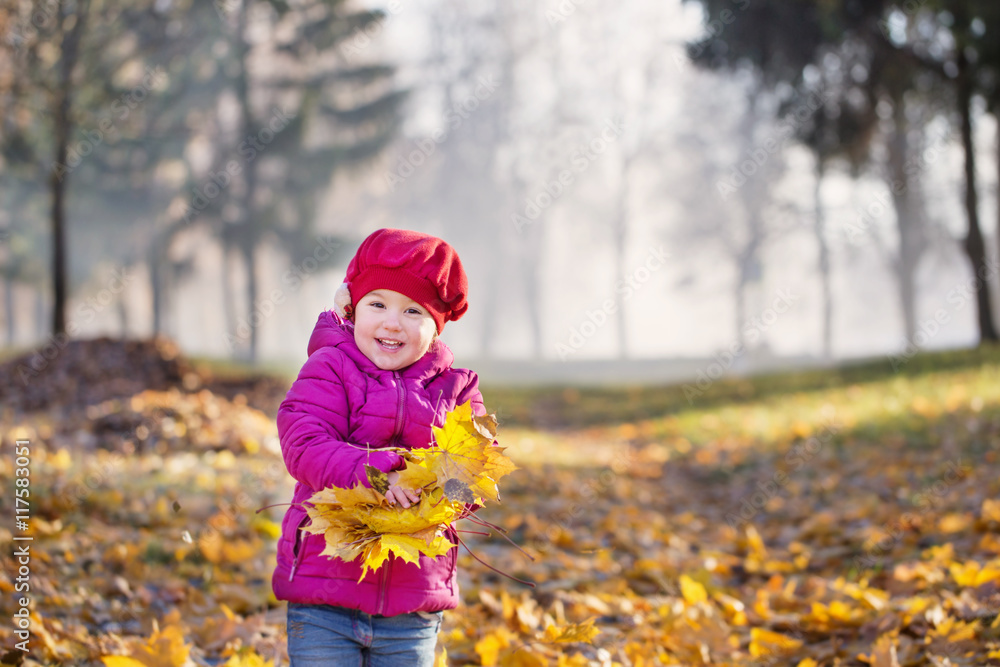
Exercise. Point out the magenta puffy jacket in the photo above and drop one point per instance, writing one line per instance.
(340, 403)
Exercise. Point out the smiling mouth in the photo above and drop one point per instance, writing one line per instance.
(389, 344)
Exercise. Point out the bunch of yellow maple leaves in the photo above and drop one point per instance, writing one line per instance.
(461, 469)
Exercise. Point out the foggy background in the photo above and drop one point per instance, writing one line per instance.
(459, 119)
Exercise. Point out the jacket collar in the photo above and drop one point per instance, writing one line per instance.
(332, 331)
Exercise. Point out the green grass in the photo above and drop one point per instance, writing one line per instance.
(571, 407)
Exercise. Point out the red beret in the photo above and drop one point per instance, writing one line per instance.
(421, 266)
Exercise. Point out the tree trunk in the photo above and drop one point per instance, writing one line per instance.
(247, 232)
(740, 299)
(974, 245)
(58, 186)
(155, 260)
(531, 267)
(8, 301)
(40, 307)
(908, 223)
(248, 248)
(63, 129)
(490, 302)
(824, 262)
(749, 268)
(122, 316)
(229, 296)
(620, 236)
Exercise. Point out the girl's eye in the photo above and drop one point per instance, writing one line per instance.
(413, 310)
(376, 304)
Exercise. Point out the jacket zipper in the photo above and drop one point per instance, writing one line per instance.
(295, 548)
(383, 590)
(383, 597)
(401, 394)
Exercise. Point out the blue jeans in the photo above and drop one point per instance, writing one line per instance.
(321, 634)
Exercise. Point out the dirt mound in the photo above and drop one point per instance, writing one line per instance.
(84, 372)
(88, 372)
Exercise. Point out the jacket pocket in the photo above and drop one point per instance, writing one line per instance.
(297, 545)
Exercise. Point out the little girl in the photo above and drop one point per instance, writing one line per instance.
(377, 376)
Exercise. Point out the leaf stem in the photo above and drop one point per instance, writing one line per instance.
(498, 529)
(275, 505)
(509, 576)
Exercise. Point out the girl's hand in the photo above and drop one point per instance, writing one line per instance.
(395, 494)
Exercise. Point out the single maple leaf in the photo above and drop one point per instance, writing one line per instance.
(347, 545)
(165, 648)
(574, 632)
(486, 425)
(415, 476)
(121, 661)
(323, 517)
(430, 511)
(251, 659)
(462, 454)
(327, 496)
(458, 491)
(378, 479)
(357, 495)
(693, 591)
(497, 465)
(884, 652)
(766, 643)
(492, 643)
(406, 547)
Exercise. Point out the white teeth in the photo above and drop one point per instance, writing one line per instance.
(389, 343)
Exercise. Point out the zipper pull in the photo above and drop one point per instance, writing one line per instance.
(295, 564)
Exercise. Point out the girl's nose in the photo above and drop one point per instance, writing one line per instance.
(391, 321)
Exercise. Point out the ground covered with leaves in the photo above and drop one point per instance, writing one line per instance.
(846, 517)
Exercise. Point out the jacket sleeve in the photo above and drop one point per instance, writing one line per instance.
(312, 426)
(471, 391)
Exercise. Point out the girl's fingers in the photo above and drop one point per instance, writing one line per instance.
(405, 497)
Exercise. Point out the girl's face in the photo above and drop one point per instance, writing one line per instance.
(392, 329)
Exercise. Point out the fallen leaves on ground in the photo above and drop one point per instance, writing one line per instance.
(847, 525)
